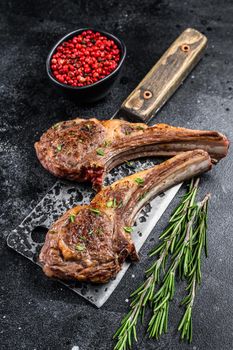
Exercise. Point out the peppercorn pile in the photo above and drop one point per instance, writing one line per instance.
(85, 59)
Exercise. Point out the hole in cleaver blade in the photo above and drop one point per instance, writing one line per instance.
(38, 234)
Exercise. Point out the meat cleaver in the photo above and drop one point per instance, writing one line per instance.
(141, 105)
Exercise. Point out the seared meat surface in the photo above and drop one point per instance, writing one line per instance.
(91, 242)
(84, 150)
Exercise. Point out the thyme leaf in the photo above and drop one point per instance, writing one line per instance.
(109, 204)
(99, 231)
(128, 131)
(72, 218)
(112, 203)
(100, 152)
(95, 211)
(107, 143)
(83, 238)
(128, 229)
(142, 195)
(130, 164)
(139, 181)
(55, 126)
(139, 127)
(120, 204)
(80, 247)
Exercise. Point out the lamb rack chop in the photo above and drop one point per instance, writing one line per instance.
(85, 150)
(91, 242)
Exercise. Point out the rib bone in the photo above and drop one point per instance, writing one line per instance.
(84, 150)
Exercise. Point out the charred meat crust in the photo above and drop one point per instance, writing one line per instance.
(91, 242)
(84, 150)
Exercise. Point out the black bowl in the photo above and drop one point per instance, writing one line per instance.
(97, 90)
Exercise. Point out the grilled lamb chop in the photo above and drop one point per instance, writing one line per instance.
(91, 242)
(84, 150)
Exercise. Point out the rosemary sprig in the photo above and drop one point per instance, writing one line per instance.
(177, 222)
(180, 258)
(194, 269)
(145, 293)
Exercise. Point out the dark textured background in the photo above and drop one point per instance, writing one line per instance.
(37, 313)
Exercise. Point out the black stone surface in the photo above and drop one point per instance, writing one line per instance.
(37, 313)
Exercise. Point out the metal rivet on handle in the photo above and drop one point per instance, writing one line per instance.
(147, 94)
(185, 47)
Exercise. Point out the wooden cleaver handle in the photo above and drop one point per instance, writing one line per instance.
(165, 77)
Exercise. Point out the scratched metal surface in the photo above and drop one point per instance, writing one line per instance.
(27, 239)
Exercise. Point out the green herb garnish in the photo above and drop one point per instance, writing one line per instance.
(59, 147)
(83, 238)
(128, 132)
(72, 218)
(90, 232)
(120, 204)
(99, 231)
(55, 126)
(142, 195)
(129, 163)
(112, 203)
(95, 211)
(139, 181)
(109, 204)
(107, 143)
(80, 247)
(72, 133)
(128, 229)
(100, 152)
(139, 127)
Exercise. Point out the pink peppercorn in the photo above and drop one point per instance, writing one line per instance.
(84, 59)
